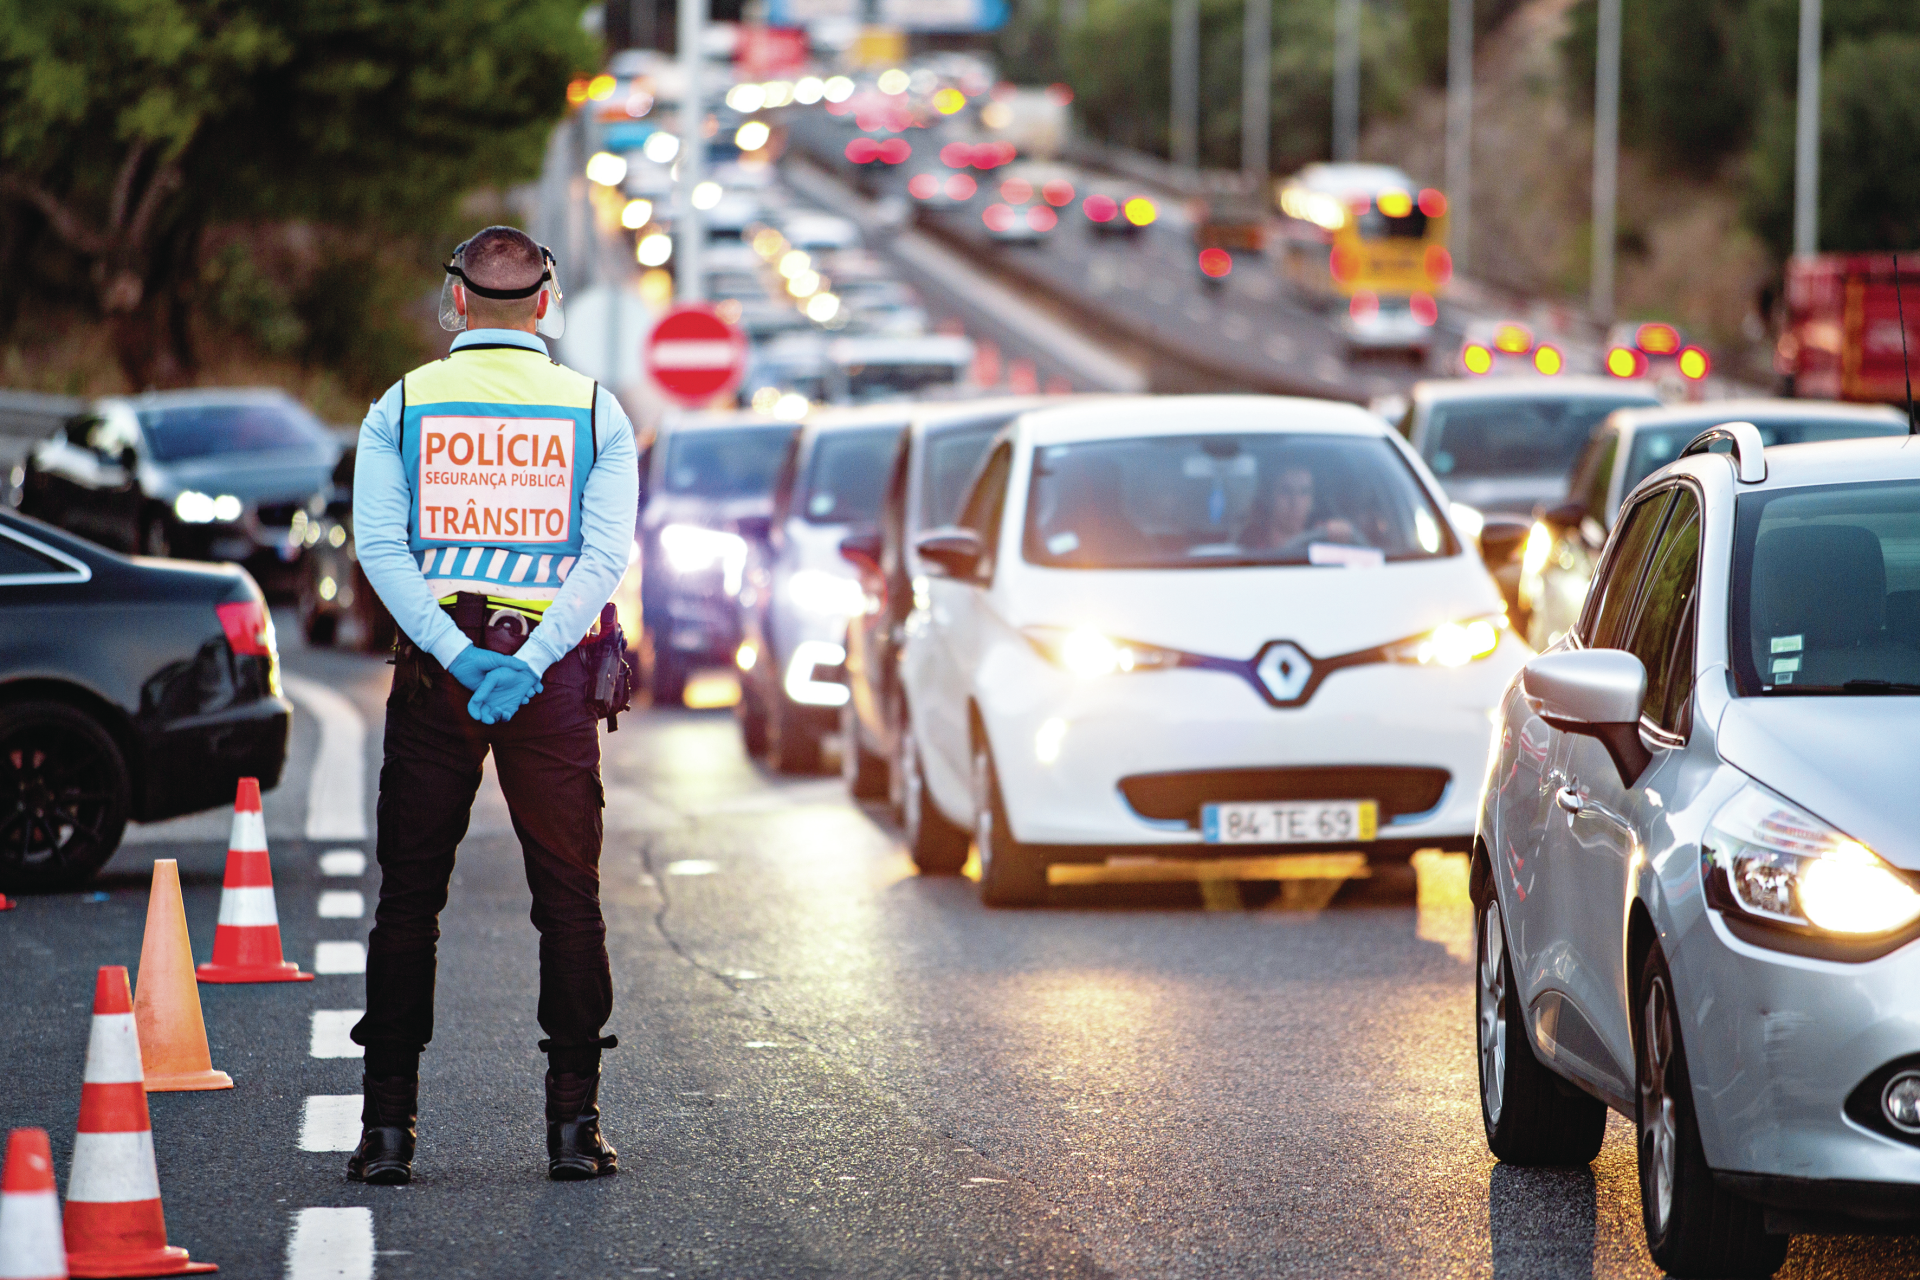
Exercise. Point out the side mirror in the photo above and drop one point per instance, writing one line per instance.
(1595, 692)
(862, 550)
(950, 552)
(129, 460)
(1567, 515)
(1501, 539)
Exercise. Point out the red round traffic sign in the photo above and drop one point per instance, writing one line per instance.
(694, 355)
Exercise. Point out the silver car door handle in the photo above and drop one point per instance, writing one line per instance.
(1569, 799)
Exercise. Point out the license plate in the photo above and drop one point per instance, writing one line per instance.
(1289, 821)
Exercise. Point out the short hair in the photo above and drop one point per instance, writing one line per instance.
(502, 258)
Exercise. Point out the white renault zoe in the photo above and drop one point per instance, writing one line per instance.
(1200, 627)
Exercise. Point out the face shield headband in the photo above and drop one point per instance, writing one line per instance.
(550, 325)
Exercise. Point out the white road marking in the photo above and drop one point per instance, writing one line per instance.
(692, 867)
(337, 792)
(342, 904)
(340, 957)
(343, 862)
(331, 1122)
(330, 1028)
(331, 1244)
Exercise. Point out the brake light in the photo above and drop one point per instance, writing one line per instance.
(863, 151)
(961, 187)
(1341, 264)
(1041, 218)
(1424, 308)
(923, 186)
(1694, 363)
(1547, 360)
(1624, 362)
(895, 151)
(249, 628)
(998, 217)
(1016, 191)
(1439, 264)
(1365, 304)
(1657, 339)
(1512, 339)
(1100, 208)
(1058, 193)
(1215, 263)
(1432, 203)
(1476, 358)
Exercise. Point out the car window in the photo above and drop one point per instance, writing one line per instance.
(203, 431)
(1655, 447)
(1593, 471)
(1513, 435)
(846, 474)
(986, 506)
(1207, 501)
(19, 560)
(1661, 636)
(953, 457)
(1610, 602)
(729, 462)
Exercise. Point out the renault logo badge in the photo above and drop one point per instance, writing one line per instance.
(1284, 670)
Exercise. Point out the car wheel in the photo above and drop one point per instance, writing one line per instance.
(938, 847)
(1012, 874)
(1532, 1117)
(64, 796)
(154, 538)
(752, 714)
(792, 747)
(1693, 1227)
(865, 772)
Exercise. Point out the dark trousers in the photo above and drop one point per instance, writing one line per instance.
(548, 759)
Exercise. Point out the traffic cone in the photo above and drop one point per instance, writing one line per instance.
(246, 941)
(30, 1245)
(166, 1002)
(114, 1223)
(6, 903)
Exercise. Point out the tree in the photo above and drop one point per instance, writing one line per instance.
(127, 125)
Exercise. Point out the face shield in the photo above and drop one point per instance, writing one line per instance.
(550, 325)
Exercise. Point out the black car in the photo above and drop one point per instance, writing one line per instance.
(128, 690)
(202, 474)
(710, 477)
(337, 604)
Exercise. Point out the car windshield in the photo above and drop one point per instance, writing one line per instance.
(953, 456)
(1826, 590)
(1655, 447)
(728, 462)
(1514, 435)
(887, 380)
(846, 475)
(1200, 501)
(202, 431)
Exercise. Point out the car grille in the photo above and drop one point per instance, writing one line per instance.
(278, 514)
(1177, 797)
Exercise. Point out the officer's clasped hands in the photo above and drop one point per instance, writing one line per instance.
(506, 689)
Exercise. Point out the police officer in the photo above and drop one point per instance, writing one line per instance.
(495, 495)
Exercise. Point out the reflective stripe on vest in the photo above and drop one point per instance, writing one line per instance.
(497, 443)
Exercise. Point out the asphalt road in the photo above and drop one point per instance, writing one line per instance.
(831, 1067)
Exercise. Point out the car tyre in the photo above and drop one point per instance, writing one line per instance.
(1532, 1116)
(1012, 874)
(1693, 1227)
(865, 772)
(792, 747)
(155, 538)
(938, 847)
(64, 797)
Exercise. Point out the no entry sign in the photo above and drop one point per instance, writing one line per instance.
(695, 355)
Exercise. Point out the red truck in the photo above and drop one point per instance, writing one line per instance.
(1842, 336)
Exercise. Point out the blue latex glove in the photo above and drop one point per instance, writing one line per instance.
(473, 664)
(506, 689)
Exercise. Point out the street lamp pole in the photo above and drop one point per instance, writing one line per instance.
(1460, 130)
(1346, 80)
(1256, 82)
(1186, 83)
(693, 152)
(1606, 158)
(1806, 136)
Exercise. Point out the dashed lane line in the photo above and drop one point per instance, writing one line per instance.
(343, 862)
(337, 792)
(330, 1122)
(342, 904)
(340, 957)
(331, 1244)
(330, 1034)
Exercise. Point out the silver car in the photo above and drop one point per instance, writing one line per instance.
(1697, 872)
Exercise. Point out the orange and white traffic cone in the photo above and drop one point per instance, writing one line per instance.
(166, 1004)
(114, 1226)
(30, 1245)
(246, 941)
(6, 903)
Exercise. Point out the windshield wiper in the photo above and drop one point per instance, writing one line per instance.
(1879, 686)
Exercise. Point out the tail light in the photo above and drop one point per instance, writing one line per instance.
(1513, 339)
(1100, 208)
(1432, 203)
(1657, 339)
(1439, 264)
(1016, 191)
(1365, 304)
(1424, 308)
(998, 217)
(961, 187)
(1625, 362)
(1548, 360)
(1215, 263)
(249, 628)
(863, 151)
(1041, 218)
(1476, 358)
(923, 186)
(1694, 363)
(1341, 264)
(895, 151)
(1058, 193)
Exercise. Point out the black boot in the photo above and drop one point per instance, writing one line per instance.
(389, 1106)
(575, 1149)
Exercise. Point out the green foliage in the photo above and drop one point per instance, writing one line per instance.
(1119, 61)
(251, 303)
(1428, 24)
(1869, 117)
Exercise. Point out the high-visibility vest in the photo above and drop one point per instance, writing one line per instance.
(497, 442)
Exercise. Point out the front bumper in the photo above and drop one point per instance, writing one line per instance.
(1099, 732)
(1776, 1043)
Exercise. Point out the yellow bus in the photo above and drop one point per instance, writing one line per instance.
(1366, 234)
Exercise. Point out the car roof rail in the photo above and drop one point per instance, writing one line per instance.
(1749, 454)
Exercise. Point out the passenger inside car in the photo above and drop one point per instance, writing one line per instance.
(1285, 522)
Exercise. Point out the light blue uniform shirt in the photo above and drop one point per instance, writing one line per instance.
(383, 500)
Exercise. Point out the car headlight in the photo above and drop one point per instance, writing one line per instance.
(1539, 546)
(817, 591)
(1088, 653)
(194, 507)
(1452, 644)
(1773, 861)
(1468, 520)
(692, 549)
